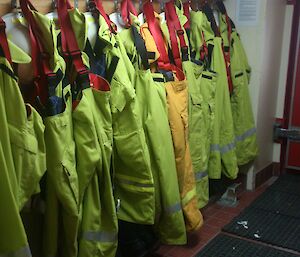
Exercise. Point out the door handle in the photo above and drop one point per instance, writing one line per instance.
(282, 133)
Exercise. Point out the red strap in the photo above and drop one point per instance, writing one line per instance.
(163, 62)
(3, 41)
(35, 34)
(98, 82)
(68, 39)
(186, 11)
(127, 7)
(40, 58)
(174, 28)
(155, 29)
(227, 55)
(99, 7)
(204, 48)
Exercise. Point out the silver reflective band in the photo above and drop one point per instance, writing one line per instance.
(174, 208)
(226, 148)
(100, 236)
(215, 148)
(22, 252)
(247, 134)
(133, 183)
(200, 175)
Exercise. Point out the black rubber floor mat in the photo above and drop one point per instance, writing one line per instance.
(287, 183)
(279, 202)
(268, 227)
(227, 246)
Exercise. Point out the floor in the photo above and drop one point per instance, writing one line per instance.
(215, 217)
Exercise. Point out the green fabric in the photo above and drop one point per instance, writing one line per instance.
(170, 224)
(62, 196)
(223, 139)
(13, 237)
(133, 180)
(62, 184)
(244, 126)
(245, 130)
(222, 153)
(93, 138)
(201, 117)
(27, 141)
(199, 24)
(17, 54)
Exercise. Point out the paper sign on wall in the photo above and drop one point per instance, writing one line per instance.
(247, 12)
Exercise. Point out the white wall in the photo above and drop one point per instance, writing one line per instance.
(263, 44)
(283, 71)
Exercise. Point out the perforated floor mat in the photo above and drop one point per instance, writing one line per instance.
(268, 227)
(279, 202)
(227, 246)
(287, 183)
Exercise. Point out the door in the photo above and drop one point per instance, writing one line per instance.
(290, 150)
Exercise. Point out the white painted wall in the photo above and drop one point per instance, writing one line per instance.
(263, 44)
(283, 71)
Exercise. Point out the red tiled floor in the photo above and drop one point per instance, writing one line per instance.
(215, 217)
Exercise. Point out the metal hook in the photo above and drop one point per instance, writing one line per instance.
(76, 4)
(13, 4)
(116, 5)
(54, 4)
(141, 3)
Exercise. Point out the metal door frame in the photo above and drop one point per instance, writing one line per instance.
(291, 80)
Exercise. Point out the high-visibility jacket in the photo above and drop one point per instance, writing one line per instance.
(245, 130)
(93, 138)
(13, 239)
(133, 180)
(92, 128)
(61, 197)
(27, 143)
(177, 104)
(222, 151)
(23, 147)
(169, 222)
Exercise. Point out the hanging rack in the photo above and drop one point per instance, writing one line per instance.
(14, 4)
(54, 4)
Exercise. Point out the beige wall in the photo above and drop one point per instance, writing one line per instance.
(263, 44)
(283, 71)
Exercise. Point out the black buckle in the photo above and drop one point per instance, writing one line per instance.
(184, 53)
(168, 75)
(226, 49)
(72, 53)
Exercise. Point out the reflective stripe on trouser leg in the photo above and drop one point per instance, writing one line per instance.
(200, 118)
(133, 177)
(131, 160)
(245, 132)
(177, 102)
(62, 176)
(151, 96)
(223, 131)
(91, 121)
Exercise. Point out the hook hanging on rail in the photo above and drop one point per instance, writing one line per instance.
(54, 4)
(76, 4)
(14, 4)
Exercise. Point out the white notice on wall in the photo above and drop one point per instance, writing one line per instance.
(247, 12)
